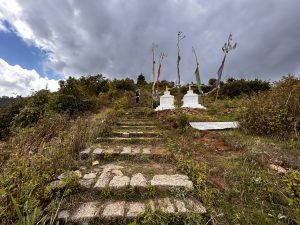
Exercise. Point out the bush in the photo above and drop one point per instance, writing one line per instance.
(234, 88)
(275, 113)
(37, 156)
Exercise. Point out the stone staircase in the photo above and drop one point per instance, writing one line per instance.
(122, 178)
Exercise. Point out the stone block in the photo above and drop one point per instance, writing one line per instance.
(85, 154)
(98, 152)
(126, 150)
(136, 150)
(117, 172)
(114, 210)
(103, 180)
(119, 182)
(165, 205)
(135, 209)
(63, 216)
(180, 206)
(138, 180)
(86, 212)
(89, 176)
(146, 151)
(195, 206)
(166, 181)
(86, 183)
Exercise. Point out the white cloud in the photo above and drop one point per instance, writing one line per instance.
(115, 37)
(15, 80)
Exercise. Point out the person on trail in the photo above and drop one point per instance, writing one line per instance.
(137, 95)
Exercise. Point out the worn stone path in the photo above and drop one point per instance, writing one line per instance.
(122, 175)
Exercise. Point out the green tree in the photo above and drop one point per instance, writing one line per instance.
(141, 80)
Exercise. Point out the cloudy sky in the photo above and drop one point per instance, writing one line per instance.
(42, 41)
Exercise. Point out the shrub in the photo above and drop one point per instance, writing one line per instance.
(37, 156)
(275, 113)
(234, 88)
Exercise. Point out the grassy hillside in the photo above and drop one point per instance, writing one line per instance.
(244, 176)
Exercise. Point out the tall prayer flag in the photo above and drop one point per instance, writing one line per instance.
(158, 75)
(197, 74)
(153, 76)
(220, 71)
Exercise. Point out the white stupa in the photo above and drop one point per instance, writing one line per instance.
(166, 101)
(190, 100)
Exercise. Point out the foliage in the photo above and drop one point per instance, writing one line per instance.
(275, 113)
(141, 80)
(35, 108)
(158, 217)
(293, 187)
(234, 88)
(7, 115)
(123, 84)
(37, 156)
(5, 100)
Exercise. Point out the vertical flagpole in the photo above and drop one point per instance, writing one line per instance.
(226, 49)
(161, 57)
(179, 38)
(153, 72)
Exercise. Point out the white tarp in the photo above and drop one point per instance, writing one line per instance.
(214, 125)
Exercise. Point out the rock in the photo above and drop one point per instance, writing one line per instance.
(177, 180)
(103, 180)
(62, 176)
(109, 151)
(95, 163)
(82, 168)
(165, 205)
(125, 135)
(135, 209)
(56, 184)
(136, 150)
(86, 183)
(63, 215)
(180, 206)
(98, 152)
(78, 173)
(195, 206)
(114, 210)
(126, 150)
(85, 154)
(117, 172)
(96, 170)
(86, 212)
(119, 182)
(89, 176)
(279, 169)
(146, 151)
(138, 180)
(109, 167)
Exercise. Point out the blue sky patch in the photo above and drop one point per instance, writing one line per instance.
(14, 50)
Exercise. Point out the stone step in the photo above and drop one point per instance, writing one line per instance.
(111, 211)
(137, 127)
(133, 117)
(118, 178)
(137, 123)
(129, 134)
(129, 139)
(99, 152)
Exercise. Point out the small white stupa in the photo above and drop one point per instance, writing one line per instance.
(166, 101)
(190, 100)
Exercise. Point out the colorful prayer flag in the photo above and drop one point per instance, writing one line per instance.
(220, 71)
(197, 74)
(158, 75)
